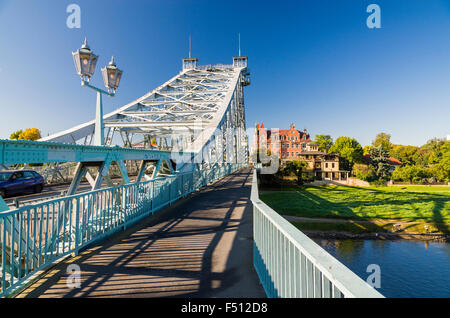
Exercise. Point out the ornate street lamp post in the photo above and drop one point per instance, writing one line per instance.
(85, 61)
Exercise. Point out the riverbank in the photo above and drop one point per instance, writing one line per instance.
(377, 236)
(369, 230)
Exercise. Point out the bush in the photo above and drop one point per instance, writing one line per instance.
(364, 172)
(378, 183)
(414, 174)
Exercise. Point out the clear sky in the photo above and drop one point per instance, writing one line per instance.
(313, 63)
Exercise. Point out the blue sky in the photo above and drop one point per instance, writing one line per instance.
(313, 63)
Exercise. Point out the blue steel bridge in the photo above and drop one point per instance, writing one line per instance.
(190, 223)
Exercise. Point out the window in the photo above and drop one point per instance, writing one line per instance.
(4, 176)
(29, 175)
(326, 166)
(19, 176)
(332, 165)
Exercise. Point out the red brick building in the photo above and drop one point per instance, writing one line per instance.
(288, 144)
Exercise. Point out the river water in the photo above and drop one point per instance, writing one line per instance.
(408, 268)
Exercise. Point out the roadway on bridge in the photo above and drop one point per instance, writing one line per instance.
(53, 191)
(201, 246)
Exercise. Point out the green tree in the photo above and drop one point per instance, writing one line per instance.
(364, 172)
(349, 150)
(442, 168)
(367, 150)
(324, 142)
(421, 157)
(295, 167)
(379, 158)
(405, 154)
(384, 140)
(16, 135)
(411, 173)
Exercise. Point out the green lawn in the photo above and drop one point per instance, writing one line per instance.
(361, 203)
(426, 189)
(414, 188)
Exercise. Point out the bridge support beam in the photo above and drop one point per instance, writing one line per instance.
(80, 172)
(157, 167)
(141, 171)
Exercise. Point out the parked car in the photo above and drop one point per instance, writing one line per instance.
(19, 182)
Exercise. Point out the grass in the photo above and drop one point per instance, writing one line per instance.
(425, 189)
(414, 188)
(340, 202)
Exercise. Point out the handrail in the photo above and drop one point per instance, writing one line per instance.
(290, 264)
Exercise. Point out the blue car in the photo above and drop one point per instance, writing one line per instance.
(20, 182)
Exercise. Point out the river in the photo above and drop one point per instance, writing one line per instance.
(408, 268)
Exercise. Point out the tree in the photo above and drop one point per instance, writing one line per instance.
(324, 142)
(411, 173)
(349, 150)
(295, 167)
(379, 157)
(28, 134)
(364, 172)
(31, 134)
(16, 135)
(384, 140)
(404, 153)
(443, 167)
(367, 150)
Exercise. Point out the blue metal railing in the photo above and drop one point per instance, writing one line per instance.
(35, 236)
(290, 264)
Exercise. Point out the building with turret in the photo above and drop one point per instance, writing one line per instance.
(294, 144)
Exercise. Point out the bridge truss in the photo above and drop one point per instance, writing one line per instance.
(198, 110)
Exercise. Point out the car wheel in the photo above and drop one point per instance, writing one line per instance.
(3, 193)
(38, 188)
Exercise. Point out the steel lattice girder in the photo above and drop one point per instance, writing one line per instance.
(192, 104)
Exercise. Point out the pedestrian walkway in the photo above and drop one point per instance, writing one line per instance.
(201, 246)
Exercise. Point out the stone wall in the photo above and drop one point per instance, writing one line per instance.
(354, 182)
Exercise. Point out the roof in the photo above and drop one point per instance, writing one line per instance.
(283, 132)
(392, 161)
(17, 170)
(317, 153)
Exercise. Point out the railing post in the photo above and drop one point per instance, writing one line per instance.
(124, 207)
(153, 196)
(170, 187)
(77, 226)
